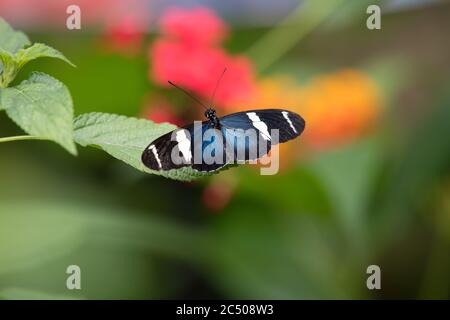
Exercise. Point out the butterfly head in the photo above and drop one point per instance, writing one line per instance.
(210, 114)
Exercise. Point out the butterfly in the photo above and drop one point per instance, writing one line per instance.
(212, 144)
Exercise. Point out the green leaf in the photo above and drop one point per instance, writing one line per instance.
(11, 40)
(38, 50)
(41, 106)
(8, 68)
(125, 139)
(13, 56)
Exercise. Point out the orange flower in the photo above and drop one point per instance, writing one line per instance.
(339, 107)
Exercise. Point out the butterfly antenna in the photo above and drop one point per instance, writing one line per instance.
(188, 94)
(217, 85)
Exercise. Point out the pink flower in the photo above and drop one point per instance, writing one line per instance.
(38, 13)
(198, 68)
(198, 25)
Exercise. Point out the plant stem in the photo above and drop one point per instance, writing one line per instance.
(16, 138)
(278, 41)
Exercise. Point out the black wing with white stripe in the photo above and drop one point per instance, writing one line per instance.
(159, 154)
(289, 124)
(191, 145)
(239, 137)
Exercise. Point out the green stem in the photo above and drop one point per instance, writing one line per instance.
(16, 138)
(279, 40)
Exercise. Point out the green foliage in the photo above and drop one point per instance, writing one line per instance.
(38, 50)
(8, 69)
(125, 138)
(24, 294)
(12, 62)
(39, 239)
(423, 160)
(348, 182)
(307, 232)
(15, 53)
(264, 254)
(11, 40)
(41, 106)
(42, 234)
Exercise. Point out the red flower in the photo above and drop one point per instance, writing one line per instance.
(196, 26)
(188, 56)
(198, 68)
(238, 83)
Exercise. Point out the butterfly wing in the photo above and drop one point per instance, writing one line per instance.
(243, 145)
(209, 150)
(289, 124)
(159, 154)
(206, 149)
(193, 145)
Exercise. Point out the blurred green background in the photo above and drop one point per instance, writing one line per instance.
(310, 231)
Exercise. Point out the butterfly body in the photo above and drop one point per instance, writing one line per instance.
(213, 120)
(235, 138)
